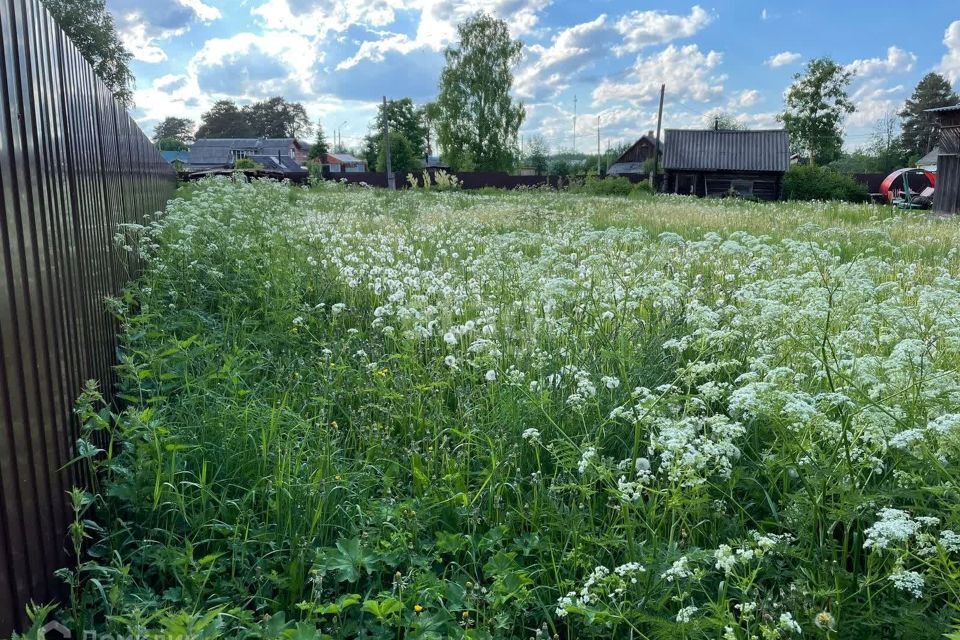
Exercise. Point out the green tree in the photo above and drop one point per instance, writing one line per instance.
(273, 118)
(886, 145)
(174, 129)
(403, 155)
(920, 129)
(320, 147)
(90, 27)
(224, 120)
(478, 119)
(171, 144)
(404, 118)
(536, 154)
(277, 118)
(815, 106)
(560, 167)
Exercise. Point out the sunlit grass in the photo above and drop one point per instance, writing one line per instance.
(532, 414)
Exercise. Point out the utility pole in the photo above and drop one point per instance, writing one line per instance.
(656, 143)
(391, 180)
(574, 123)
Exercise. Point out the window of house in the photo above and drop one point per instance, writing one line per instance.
(743, 187)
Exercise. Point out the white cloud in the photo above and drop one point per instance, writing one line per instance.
(144, 25)
(645, 28)
(547, 70)
(782, 59)
(687, 72)
(763, 14)
(897, 61)
(874, 101)
(950, 63)
(746, 98)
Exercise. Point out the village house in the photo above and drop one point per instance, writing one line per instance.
(715, 162)
(632, 161)
(212, 153)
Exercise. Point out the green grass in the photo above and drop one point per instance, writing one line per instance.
(361, 414)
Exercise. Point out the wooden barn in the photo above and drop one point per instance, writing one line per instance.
(711, 163)
(946, 196)
(632, 160)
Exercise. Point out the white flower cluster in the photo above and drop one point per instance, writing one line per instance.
(895, 526)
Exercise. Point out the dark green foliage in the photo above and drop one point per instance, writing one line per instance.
(172, 128)
(560, 167)
(320, 147)
(536, 154)
(920, 128)
(246, 163)
(224, 120)
(404, 119)
(810, 182)
(273, 118)
(171, 144)
(479, 120)
(403, 157)
(815, 105)
(90, 27)
(610, 186)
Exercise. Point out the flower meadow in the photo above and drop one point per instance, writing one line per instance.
(350, 413)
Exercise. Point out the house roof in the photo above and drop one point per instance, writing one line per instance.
(622, 168)
(344, 157)
(283, 163)
(930, 159)
(220, 150)
(726, 150)
(176, 156)
(955, 107)
(629, 155)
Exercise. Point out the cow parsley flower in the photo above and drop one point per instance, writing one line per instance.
(909, 581)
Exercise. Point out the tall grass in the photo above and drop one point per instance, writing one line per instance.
(352, 413)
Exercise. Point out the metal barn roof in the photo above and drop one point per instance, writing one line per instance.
(726, 150)
(220, 150)
(955, 107)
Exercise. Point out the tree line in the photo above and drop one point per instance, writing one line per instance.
(475, 121)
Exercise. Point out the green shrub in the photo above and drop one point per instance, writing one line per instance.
(616, 186)
(246, 163)
(809, 182)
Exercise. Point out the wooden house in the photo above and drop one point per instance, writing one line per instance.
(946, 196)
(711, 163)
(631, 161)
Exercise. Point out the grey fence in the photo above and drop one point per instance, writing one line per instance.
(73, 167)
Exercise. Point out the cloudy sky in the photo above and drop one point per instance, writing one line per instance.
(339, 57)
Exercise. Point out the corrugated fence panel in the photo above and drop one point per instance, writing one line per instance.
(73, 167)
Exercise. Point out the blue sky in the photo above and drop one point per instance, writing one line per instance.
(339, 57)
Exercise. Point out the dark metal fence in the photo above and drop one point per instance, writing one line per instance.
(73, 167)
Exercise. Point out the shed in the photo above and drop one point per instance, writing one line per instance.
(946, 197)
(632, 160)
(344, 163)
(713, 162)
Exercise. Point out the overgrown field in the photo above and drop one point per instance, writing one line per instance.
(357, 414)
